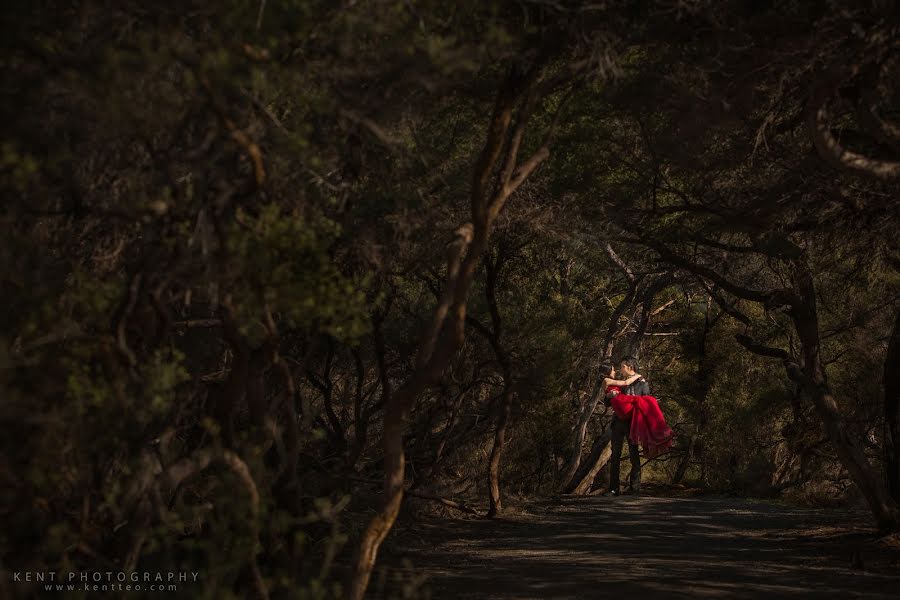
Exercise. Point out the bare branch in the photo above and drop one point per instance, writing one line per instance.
(771, 298)
(455, 249)
(761, 349)
(621, 263)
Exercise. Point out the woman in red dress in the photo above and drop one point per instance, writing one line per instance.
(648, 425)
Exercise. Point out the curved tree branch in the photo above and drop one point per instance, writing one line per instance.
(828, 146)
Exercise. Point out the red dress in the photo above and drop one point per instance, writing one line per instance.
(648, 425)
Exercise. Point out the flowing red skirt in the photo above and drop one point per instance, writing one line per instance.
(648, 426)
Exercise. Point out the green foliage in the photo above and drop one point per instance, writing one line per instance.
(287, 268)
(17, 169)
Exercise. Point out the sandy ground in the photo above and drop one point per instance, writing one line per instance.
(639, 547)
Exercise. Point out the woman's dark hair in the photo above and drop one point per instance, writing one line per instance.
(605, 370)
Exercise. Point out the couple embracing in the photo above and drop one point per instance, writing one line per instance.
(637, 416)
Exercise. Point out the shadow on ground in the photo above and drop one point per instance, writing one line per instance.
(640, 547)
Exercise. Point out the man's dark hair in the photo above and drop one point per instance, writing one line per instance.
(605, 369)
(631, 361)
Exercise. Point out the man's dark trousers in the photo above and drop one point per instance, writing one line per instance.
(620, 430)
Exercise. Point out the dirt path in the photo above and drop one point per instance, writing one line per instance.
(639, 547)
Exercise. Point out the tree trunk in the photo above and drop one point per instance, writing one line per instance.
(599, 456)
(578, 438)
(814, 379)
(496, 504)
(610, 338)
(490, 291)
(396, 410)
(634, 342)
(445, 333)
(892, 413)
(703, 383)
(685, 462)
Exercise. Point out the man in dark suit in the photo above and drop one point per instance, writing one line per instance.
(627, 367)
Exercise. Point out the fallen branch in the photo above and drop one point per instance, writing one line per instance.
(445, 501)
(460, 506)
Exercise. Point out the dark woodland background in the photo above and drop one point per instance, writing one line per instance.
(274, 273)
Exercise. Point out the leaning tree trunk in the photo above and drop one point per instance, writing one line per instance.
(446, 331)
(434, 355)
(635, 340)
(892, 413)
(587, 411)
(685, 461)
(601, 451)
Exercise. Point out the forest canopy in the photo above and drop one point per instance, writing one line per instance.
(274, 272)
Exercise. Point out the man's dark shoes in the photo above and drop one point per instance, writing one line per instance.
(633, 491)
(612, 493)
